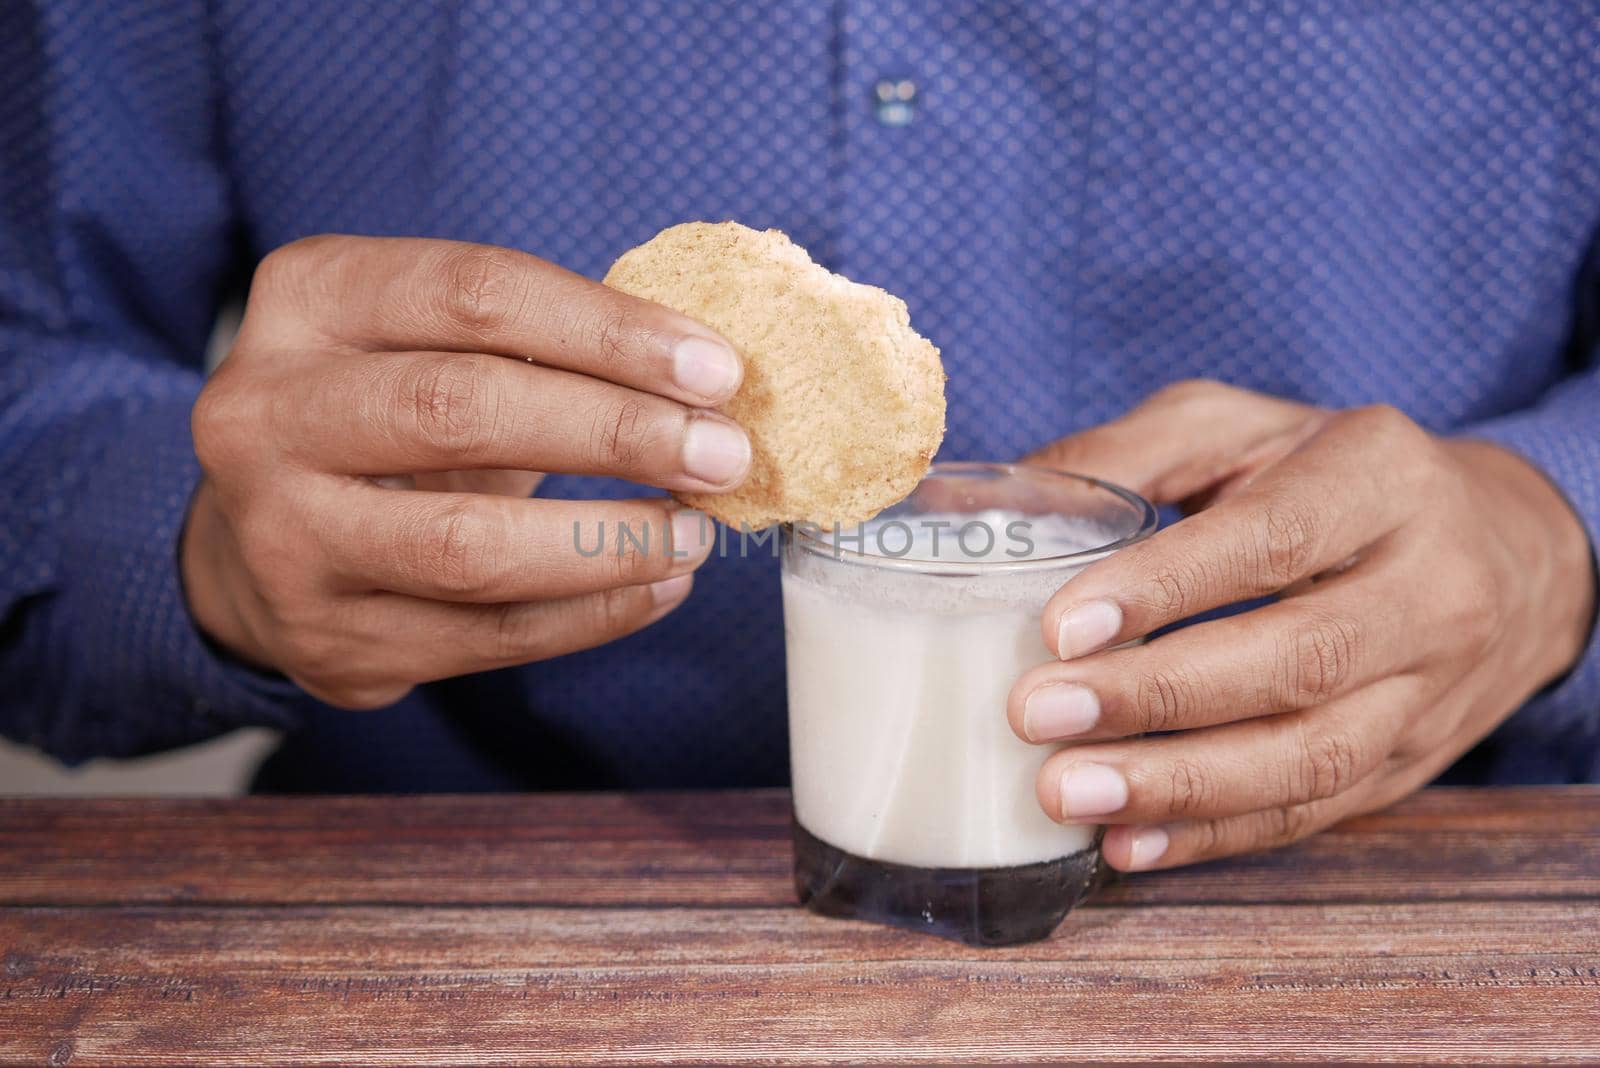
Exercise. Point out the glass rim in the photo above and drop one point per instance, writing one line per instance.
(1148, 519)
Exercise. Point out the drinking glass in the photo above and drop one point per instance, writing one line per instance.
(914, 801)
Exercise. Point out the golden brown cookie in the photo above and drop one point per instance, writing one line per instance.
(843, 401)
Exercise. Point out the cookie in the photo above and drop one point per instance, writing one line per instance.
(842, 399)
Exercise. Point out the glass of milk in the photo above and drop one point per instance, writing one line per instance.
(914, 802)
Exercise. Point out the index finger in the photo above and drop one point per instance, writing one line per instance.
(1349, 485)
(404, 294)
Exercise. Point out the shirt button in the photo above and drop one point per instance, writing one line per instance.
(894, 101)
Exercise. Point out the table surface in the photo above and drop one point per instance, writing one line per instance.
(653, 928)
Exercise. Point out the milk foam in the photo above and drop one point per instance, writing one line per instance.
(900, 749)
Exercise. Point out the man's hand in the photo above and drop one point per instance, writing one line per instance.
(1426, 587)
(370, 443)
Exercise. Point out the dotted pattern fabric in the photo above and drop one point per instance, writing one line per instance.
(1338, 201)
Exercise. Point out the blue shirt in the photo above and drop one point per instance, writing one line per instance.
(1338, 201)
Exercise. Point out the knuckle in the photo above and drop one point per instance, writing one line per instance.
(1208, 838)
(1287, 824)
(453, 553)
(1320, 660)
(633, 554)
(1169, 586)
(478, 289)
(1407, 450)
(517, 635)
(616, 610)
(1288, 540)
(1164, 699)
(283, 262)
(1330, 763)
(275, 265)
(621, 333)
(617, 435)
(1384, 424)
(220, 425)
(447, 401)
(286, 268)
(1190, 790)
(1189, 391)
(611, 336)
(1423, 739)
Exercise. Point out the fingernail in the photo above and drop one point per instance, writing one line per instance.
(714, 451)
(1059, 710)
(669, 590)
(706, 368)
(689, 541)
(1092, 790)
(1087, 628)
(1149, 844)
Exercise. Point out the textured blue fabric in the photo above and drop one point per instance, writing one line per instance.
(1339, 201)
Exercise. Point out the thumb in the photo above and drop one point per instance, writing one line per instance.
(1184, 440)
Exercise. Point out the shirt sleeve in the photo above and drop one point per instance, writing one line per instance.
(1561, 436)
(115, 226)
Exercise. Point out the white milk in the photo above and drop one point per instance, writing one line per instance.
(900, 749)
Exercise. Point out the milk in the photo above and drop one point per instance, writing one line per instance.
(899, 745)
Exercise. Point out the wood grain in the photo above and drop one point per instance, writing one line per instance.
(586, 929)
(679, 848)
(567, 986)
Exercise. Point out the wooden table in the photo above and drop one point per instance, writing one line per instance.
(659, 928)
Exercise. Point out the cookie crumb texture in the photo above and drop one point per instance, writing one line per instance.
(843, 401)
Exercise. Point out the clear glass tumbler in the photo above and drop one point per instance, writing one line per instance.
(914, 802)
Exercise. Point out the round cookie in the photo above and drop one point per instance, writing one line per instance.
(843, 401)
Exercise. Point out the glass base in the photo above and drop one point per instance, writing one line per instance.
(978, 906)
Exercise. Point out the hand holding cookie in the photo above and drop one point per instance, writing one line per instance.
(369, 446)
(371, 440)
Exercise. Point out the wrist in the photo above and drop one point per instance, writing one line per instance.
(1554, 559)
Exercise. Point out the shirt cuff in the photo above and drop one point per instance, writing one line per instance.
(1565, 445)
(144, 677)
